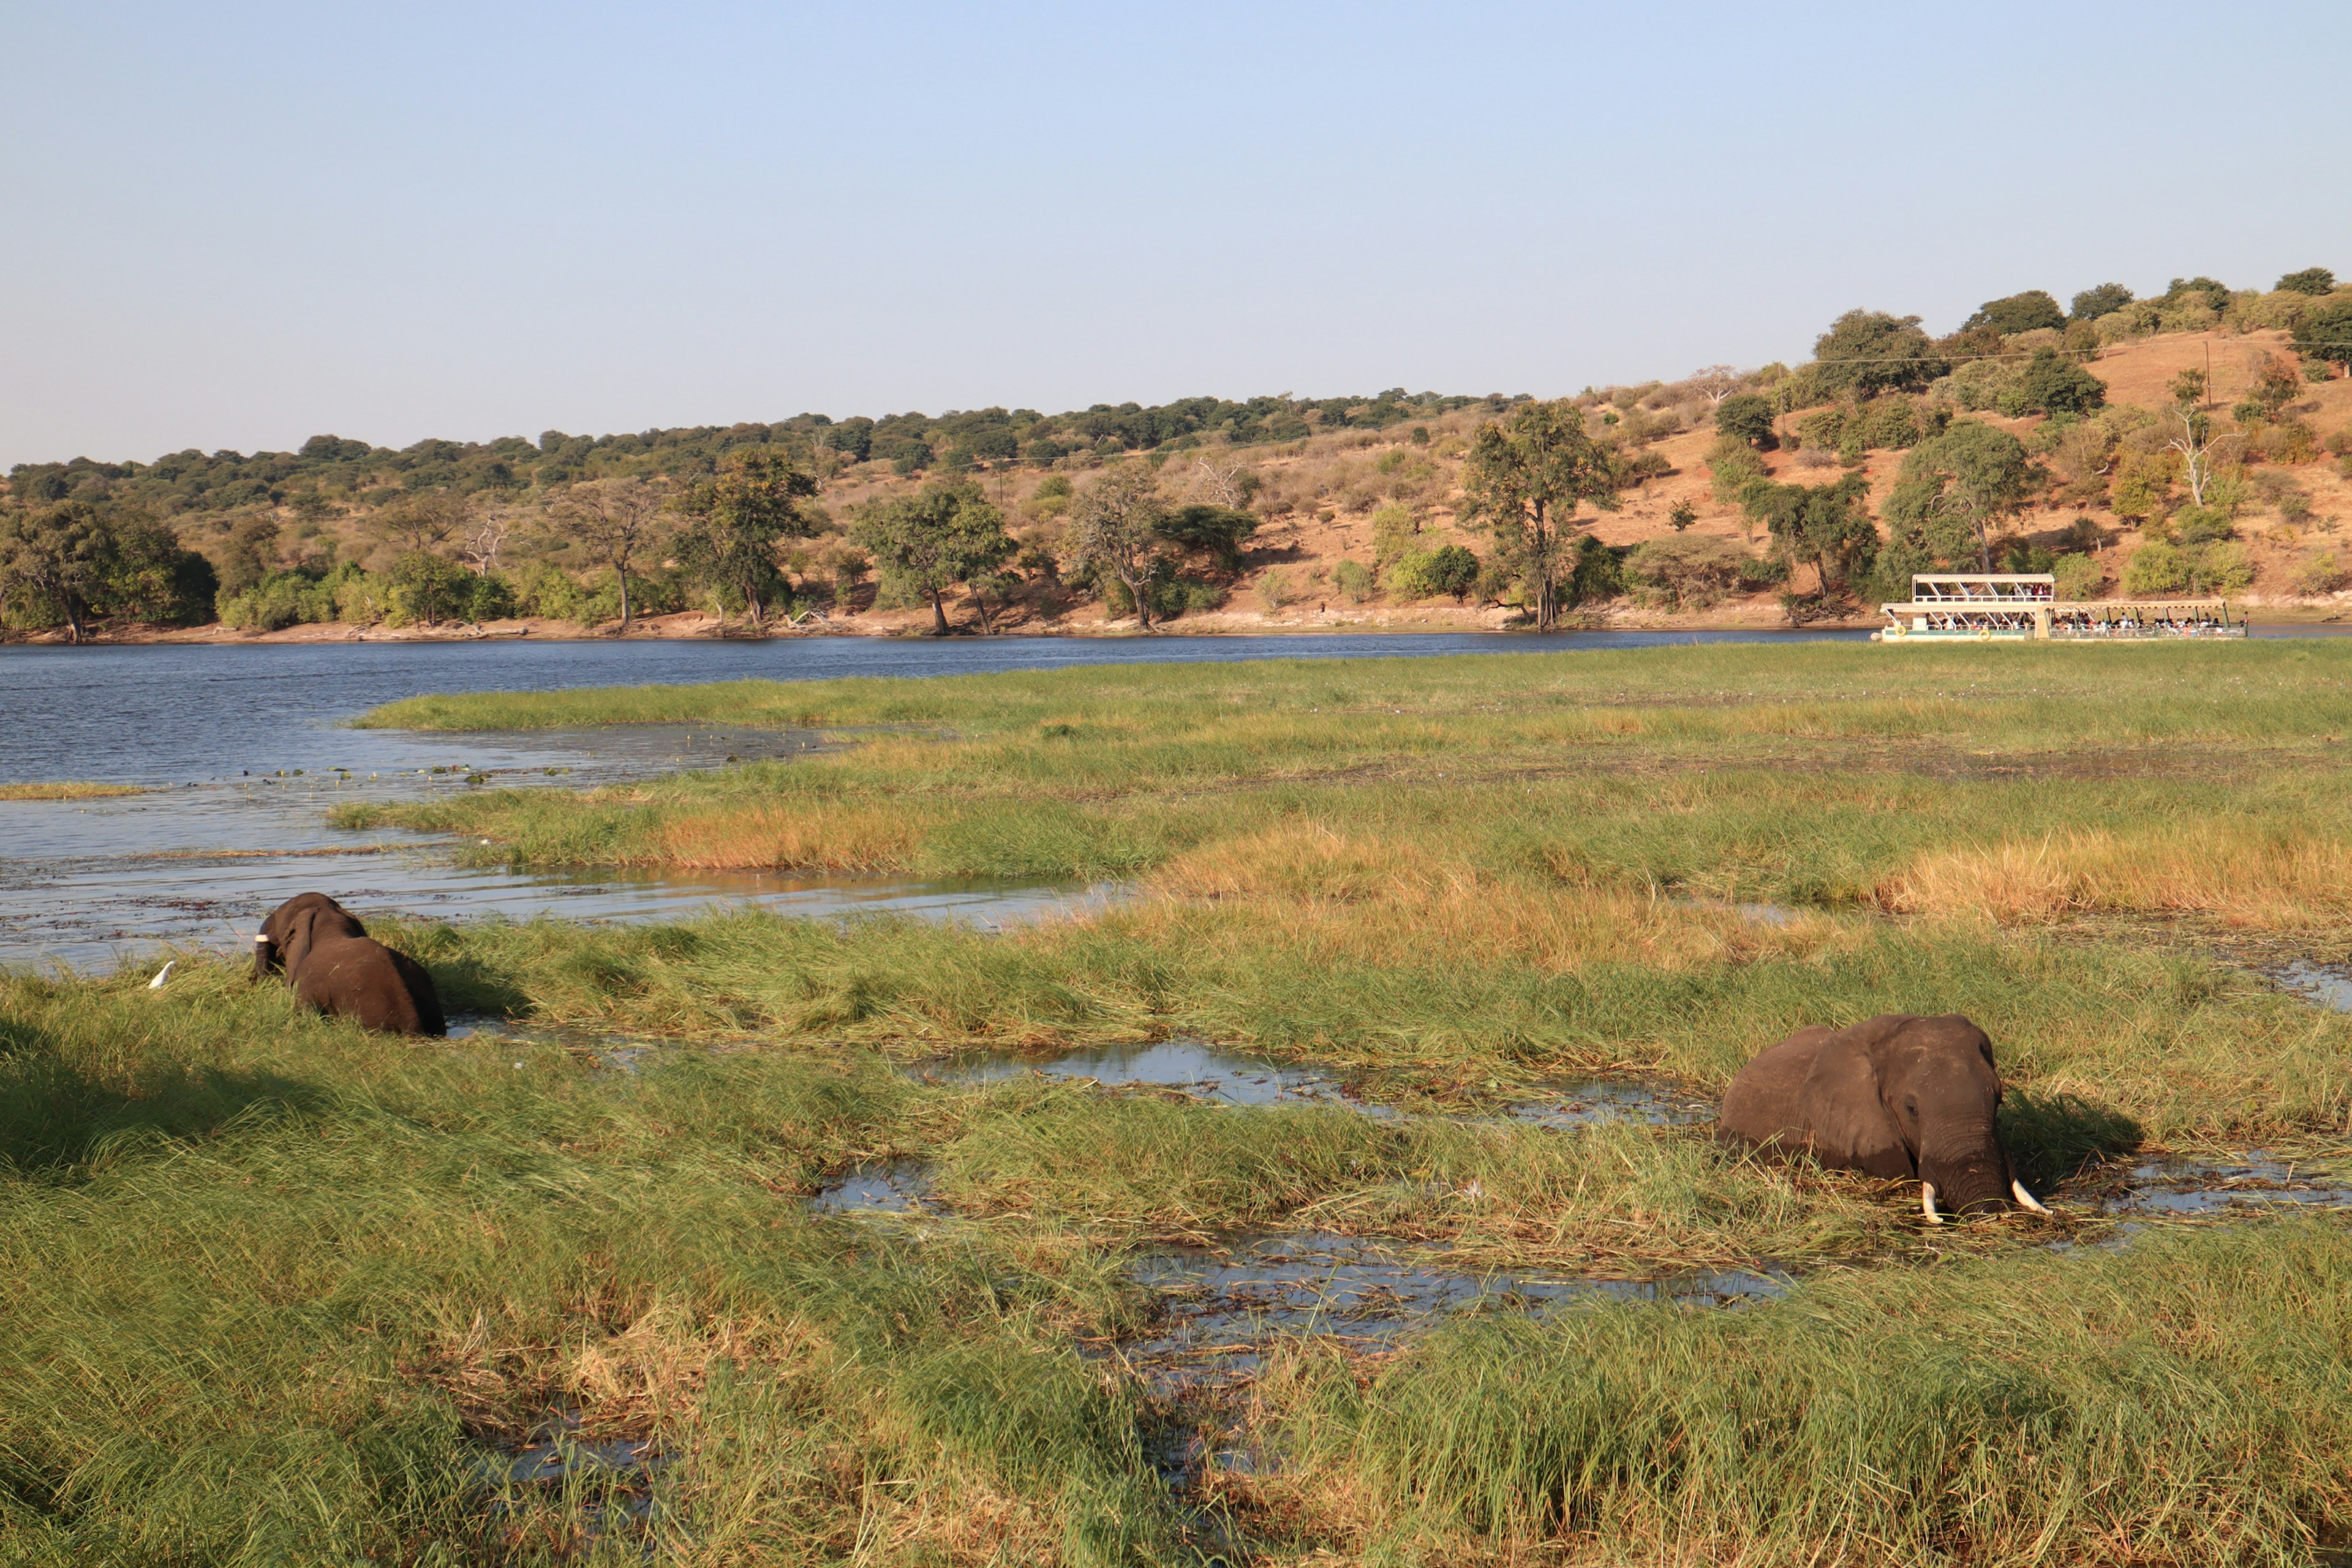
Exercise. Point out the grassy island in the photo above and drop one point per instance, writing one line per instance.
(285, 1291)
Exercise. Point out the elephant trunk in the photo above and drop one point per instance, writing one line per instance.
(1968, 1169)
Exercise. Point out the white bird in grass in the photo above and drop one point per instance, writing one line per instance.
(162, 975)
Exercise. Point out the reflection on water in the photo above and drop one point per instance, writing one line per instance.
(1587, 1101)
(1199, 1069)
(1221, 1306)
(2186, 1185)
(2327, 985)
(895, 1186)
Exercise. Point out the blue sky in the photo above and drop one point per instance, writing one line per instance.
(239, 225)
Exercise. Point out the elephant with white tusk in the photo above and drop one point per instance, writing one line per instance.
(1900, 1097)
(336, 967)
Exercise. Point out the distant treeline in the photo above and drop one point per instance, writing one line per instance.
(332, 469)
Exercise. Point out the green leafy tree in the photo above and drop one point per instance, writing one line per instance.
(2026, 312)
(1524, 479)
(1870, 352)
(617, 522)
(2310, 280)
(1116, 526)
(2053, 384)
(734, 519)
(1826, 527)
(429, 587)
(2324, 336)
(56, 564)
(154, 579)
(2104, 300)
(1953, 487)
(1746, 415)
(1216, 531)
(942, 535)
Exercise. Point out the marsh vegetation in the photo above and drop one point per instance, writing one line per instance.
(289, 1290)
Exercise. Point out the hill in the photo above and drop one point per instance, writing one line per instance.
(1329, 512)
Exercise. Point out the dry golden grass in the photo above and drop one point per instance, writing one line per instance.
(2242, 876)
(759, 837)
(67, 789)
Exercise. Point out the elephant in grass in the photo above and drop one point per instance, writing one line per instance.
(1899, 1097)
(336, 967)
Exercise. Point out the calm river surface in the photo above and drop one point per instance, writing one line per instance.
(233, 828)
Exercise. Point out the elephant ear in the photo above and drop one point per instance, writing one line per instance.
(1848, 1119)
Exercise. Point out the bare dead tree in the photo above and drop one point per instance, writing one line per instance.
(486, 537)
(618, 522)
(1714, 383)
(1229, 484)
(422, 521)
(2202, 451)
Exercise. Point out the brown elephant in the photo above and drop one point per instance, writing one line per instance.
(1900, 1097)
(336, 967)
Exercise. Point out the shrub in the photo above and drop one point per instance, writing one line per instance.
(490, 599)
(1353, 580)
(1731, 463)
(1891, 424)
(1394, 528)
(1823, 429)
(2294, 507)
(2155, 568)
(2053, 385)
(1747, 416)
(2202, 525)
(1689, 573)
(2079, 576)
(1682, 515)
(1449, 570)
(2142, 482)
(2216, 568)
(2324, 333)
(2318, 575)
(427, 587)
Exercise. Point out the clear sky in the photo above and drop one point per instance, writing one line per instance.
(242, 224)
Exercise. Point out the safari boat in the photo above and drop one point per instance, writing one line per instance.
(2023, 606)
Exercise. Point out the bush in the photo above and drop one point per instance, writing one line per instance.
(2053, 385)
(1891, 424)
(2202, 525)
(2216, 568)
(1732, 463)
(2155, 568)
(1393, 531)
(427, 587)
(1747, 416)
(490, 598)
(1823, 429)
(2318, 575)
(1689, 573)
(1353, 581)
(1449, 570)
(2310, 280)
(2019, 313)
(2095, 302)
(2079, 576)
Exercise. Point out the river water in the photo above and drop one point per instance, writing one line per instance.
(246, 749)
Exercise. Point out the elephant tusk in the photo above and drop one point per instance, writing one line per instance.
(2027, 1199)
(162, 975)
(1928, 1203)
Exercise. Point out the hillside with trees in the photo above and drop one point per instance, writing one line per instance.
(2196, 440)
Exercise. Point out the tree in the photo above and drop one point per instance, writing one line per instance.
(2101, 300)
(154, 579)
(1524, 479)
(2310, 280)
(63, 556)
(2026, 312)
(1826, 527)
(616, 520)
(1228, 485)
(1116, 527)
(1217, 532)
(484, 536)
(1748, 415)
(1714, 383)
(251, 554)
(424, 521)
(2051, 384)
(942, 535)
(2324, 336)
(428, 587)
(733, 520)
(1870, 352)
(1954, 487)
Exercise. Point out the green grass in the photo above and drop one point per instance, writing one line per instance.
(279, 1288)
